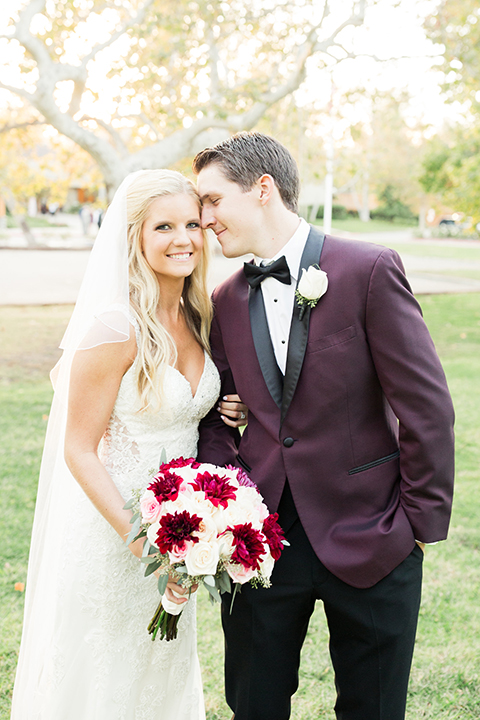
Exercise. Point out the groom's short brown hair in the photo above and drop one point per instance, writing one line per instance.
(247, 156)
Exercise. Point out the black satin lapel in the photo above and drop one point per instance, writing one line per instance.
(263, 345)
(297, 342)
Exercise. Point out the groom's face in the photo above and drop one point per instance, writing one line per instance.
(232, 214)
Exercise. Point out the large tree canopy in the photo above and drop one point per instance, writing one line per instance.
(141, 83)
(452, 164)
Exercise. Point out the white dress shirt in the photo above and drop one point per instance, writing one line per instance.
(279, 298)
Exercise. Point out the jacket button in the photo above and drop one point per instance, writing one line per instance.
(288, 442)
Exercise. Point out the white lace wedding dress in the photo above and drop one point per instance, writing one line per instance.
(104, 665)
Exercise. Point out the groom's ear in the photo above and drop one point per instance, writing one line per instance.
(266, 188)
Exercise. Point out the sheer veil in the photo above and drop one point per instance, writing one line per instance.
(100, 316)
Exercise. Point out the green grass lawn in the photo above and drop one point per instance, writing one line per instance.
(445, 681)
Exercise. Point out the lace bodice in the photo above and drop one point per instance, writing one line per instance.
(133, 441)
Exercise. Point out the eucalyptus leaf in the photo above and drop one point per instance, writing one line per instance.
(146, 548)
(214, 593)
(152, 567)
(162, 584)
(224, 582)
(129, 505)
(163, 456)
(209, 580)
(134, 517)
(148, 560)
(133, 532)
(181, 569)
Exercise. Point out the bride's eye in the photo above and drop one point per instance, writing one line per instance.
(163, 227)
(193, 225)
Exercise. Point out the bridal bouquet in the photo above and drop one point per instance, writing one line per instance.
(206, 525)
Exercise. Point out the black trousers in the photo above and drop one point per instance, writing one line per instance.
(372, 635)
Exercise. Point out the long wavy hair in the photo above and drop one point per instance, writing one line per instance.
(156, 348)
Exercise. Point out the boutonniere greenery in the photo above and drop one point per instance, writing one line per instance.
(313, 284)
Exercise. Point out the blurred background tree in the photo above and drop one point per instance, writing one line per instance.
(451, 169)
(179, 72)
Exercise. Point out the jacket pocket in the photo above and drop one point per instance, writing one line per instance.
(243, 464)
(330, 340)
(374, 463)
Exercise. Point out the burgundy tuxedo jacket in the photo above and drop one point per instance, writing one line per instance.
(362, 422)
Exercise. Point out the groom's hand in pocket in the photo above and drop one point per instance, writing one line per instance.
(232, 411)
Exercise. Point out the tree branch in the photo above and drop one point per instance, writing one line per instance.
(16, 126)
(135, 20)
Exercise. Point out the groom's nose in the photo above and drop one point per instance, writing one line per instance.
(207, 217)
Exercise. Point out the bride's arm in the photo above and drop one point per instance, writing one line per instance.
(95, 379)
(94, 382)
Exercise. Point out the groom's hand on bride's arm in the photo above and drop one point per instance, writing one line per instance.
(232, 411)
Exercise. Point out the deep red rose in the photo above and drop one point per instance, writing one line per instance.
(274, 534)
(175, 529)
(248, 546)
(165, 486)
(216, 488)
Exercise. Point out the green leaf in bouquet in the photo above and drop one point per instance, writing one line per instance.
(146, 548)
(224, 582)
(236, 588)
(162, 584)
(129, 505)
(134, 531)
(213, 592)
(209, 580)
(152, 567)
(163, 456)
(134, 517)
(148, 559)
(181, 569)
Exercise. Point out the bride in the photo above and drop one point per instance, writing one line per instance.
(135, 378)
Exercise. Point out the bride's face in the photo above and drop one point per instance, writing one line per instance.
(172, 238)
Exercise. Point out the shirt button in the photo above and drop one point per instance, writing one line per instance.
(288, 442)
(283, 342)
(275, 299)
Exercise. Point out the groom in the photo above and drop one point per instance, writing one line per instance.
(350, 438)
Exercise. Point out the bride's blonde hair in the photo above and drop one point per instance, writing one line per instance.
(156, 348)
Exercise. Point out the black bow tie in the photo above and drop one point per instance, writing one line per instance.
(279, 269)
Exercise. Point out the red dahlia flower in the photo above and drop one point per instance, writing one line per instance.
(175, 530)
(178, 463)
(216, 488)
(165, 486)
(248, 546)
(274, 534)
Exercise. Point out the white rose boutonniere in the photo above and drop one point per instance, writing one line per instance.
(313, 284)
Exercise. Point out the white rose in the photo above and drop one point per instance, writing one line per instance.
(152, 532)
(313, 283)
(266, 565)
(202, 559)
(218, 517)
(226, 545)
(207, 530)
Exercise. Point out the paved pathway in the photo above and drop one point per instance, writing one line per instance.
(49, 276)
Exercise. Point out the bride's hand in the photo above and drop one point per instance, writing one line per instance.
(233, 412)
(173, 587)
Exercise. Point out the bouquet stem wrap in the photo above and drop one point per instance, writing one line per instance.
(166, 618)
